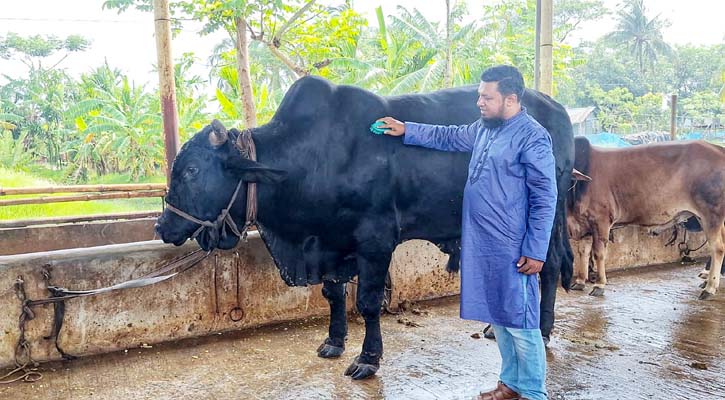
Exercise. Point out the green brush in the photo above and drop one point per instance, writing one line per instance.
(376, 128)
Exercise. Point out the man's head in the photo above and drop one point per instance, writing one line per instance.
(499, 94)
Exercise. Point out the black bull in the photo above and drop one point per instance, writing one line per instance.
(348, 197)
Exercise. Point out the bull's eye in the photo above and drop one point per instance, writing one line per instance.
(191, 172)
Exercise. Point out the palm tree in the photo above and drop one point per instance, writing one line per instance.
(643, 36)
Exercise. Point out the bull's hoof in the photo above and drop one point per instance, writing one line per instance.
(577, 286)
(488, 332)
(330, 349)
(597, 292)
(703, 285)
(358, 370)
(546, 339)
(703, 274)
(704, 295)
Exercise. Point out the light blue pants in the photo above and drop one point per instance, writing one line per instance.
(523, 361)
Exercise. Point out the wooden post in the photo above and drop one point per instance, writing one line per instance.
(245, 81)
(448, 74)
(167, 86)
(544, 67)
(673, 117)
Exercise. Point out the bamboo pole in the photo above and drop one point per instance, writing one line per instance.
(81, 189)
(167, 87)
(17, 223)
(545, 60)
(537, 47)
(86, 197)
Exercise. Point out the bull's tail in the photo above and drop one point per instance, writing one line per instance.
(559, 266)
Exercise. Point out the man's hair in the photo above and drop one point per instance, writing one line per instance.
(509, 80)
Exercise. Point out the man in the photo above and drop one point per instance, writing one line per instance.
(508, 212)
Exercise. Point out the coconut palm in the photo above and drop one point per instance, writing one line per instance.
(642, 35)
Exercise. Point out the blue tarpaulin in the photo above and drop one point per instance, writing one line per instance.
(607, 139)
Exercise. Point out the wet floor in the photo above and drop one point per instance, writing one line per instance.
(648, 338)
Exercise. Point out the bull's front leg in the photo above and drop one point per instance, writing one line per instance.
(582, 251)
(716, 237)
(371, 283)
(600, 238)
(334, 344)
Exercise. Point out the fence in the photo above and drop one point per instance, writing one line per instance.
(78, 193)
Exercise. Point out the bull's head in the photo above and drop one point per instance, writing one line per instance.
(204, 177)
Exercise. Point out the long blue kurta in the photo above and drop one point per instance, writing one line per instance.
(508, 211)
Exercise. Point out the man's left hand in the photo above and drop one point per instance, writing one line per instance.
(529, 266)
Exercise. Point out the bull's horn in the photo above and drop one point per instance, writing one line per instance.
(218, 135)
(578, 176)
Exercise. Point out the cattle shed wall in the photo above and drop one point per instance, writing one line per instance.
(199, 301)
(39, 238)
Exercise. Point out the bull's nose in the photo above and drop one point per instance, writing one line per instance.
(157, 228)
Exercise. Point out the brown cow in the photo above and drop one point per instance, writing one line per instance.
(649, 185)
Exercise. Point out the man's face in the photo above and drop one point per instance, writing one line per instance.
(492, 103)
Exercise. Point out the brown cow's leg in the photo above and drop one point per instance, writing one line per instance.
(716, 236)
(582, 251)
(600, 237)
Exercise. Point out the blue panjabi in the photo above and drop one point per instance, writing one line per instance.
(508, 211)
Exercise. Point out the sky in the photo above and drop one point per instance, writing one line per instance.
(126, 40)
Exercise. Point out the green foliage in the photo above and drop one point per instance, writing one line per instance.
(616, 111)
(12, 151)
(704, 105)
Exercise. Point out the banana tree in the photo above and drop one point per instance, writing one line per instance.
(122, 121)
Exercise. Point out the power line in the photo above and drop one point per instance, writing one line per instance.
(115, 21)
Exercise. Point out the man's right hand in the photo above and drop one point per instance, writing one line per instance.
(393, 126)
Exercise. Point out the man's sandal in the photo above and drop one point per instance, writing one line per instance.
(502, 392)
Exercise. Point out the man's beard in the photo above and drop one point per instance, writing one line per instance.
(492, 123)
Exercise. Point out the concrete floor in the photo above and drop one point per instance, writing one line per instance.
(648, 338)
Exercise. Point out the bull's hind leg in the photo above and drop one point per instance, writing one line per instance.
(334, 344)
(582, 251)
(600, 238)
(716, 237)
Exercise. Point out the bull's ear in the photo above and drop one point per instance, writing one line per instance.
(218, 134)
(251, 171)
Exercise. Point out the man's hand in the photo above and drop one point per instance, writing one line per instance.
(393, 126)
(529, 266)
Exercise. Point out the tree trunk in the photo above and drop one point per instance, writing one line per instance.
(245, 81)
(448, 75)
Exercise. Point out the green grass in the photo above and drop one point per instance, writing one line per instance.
(44, 177)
